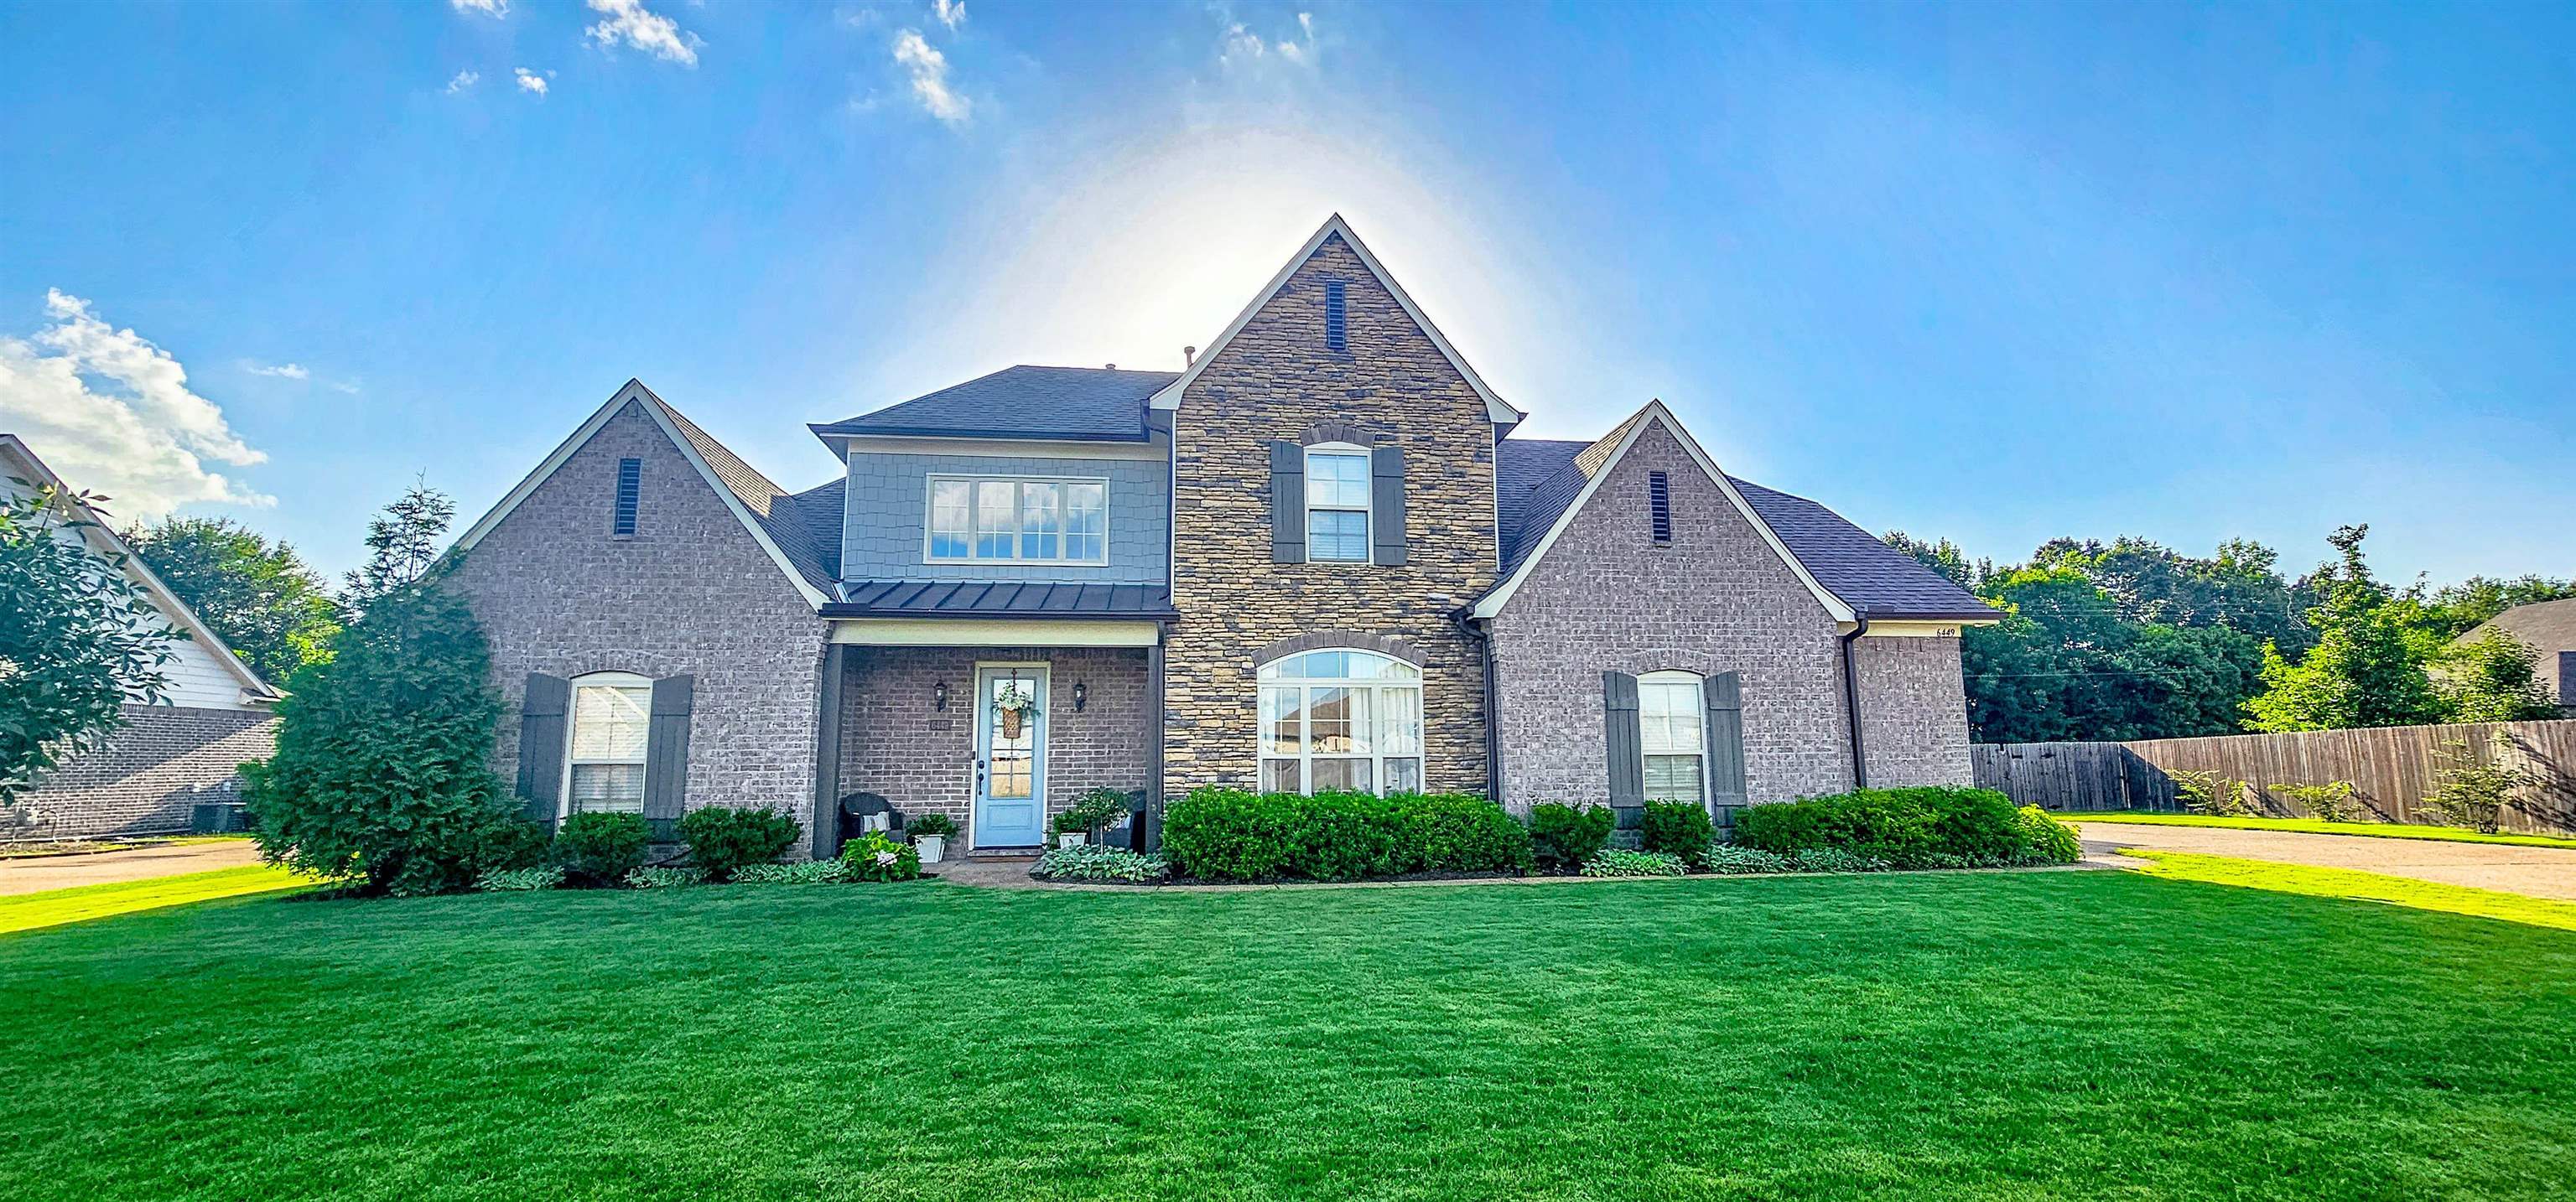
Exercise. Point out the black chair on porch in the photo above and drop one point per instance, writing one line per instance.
(858, 808)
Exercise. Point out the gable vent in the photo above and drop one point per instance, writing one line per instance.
(1336, 328)
(1659, 506)
(630, 496)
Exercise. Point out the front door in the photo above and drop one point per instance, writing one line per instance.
(1010, 756)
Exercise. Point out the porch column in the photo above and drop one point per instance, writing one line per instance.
(827, 754)
(1154, 748)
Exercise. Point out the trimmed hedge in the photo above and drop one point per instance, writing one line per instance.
(601, 849)
(1925, 827)
(1566, 837)
(1234, 835)
(725, 841)
(1680, 827)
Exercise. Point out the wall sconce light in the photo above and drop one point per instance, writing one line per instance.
(1079, 696)
(939, 697)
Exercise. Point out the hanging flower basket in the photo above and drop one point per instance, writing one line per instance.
(1011, 707)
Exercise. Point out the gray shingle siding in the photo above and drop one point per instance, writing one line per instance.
(889, 498)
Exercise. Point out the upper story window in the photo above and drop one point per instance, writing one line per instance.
(1336, 317)
(1672, 734)
(630, 497)
(1337, 503)
(1341, 720)
(1002, 520)
(611, 726)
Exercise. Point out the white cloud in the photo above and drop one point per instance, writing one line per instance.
(463, 80)
(113, 414)
(489, 8)
(283, 371)
(951, 13)
(630, 22)
(530, 81)
(1241, 47)
(929, 71)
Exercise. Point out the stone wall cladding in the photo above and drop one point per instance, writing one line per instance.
(1274, 380)
(149, 776)
(690, 593)
(1718, 599)
(1913, 711)
(895, 744)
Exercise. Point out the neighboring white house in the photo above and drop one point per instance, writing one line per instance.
(180, 751)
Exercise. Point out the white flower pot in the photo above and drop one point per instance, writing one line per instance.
(1073, 840)
(931, 847)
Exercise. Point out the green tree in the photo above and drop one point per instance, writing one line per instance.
(2239, 588)
(2368, 666)
(257, 596)
(2063, 664)
(78, 640)
(2494, 679)
(1944, 557)
(2455, 609)
(402, 542)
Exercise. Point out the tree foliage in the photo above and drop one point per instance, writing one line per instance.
(78, 639)
(2064, 664)
(258, 596)
(402, 545)
(2493, 679)
(2368, 667)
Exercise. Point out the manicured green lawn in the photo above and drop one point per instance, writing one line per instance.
(53, 907)
(2312, 826)
(2364, 886)
(2031, 1035)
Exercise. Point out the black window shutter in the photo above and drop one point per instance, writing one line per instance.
(1386, 502)
(1287, 503)
(666, 755)
(1725, 693)
(541, 746)
(1624, 746)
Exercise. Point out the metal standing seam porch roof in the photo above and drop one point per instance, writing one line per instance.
(1000, 599)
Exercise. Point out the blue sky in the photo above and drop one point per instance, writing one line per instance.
(1991, 272)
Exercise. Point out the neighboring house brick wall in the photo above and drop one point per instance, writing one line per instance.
(151, 772)
(1273, 381)
(1718, 599)
(894, 744)
(889, 498)
(690, 593)
(1913, 711)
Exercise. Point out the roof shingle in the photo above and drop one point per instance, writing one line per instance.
(1082, 403)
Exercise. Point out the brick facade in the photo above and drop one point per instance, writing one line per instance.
(1913, 711)
(690, 593)
(1717, 599)
(1274, 380)
(894, 743)
(151, 773)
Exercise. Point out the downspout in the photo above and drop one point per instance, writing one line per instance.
(1484, 640)
(1851, 698)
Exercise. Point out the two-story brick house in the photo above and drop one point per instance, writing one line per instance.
(1316, 558)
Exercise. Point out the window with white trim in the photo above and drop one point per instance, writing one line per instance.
(1343, 719)
(990, 519)
(612, 715)
(1337, 503)
(1672, 722)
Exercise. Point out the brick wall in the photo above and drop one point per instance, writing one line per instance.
(151, 773)
(1718, 599)
(1273, 381)
(691, 592)
(895, 744)
(1913, 711)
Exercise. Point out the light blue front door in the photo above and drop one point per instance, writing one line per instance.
(1010, 757)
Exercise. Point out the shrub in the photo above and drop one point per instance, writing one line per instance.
(802, 872)
(1834, 859)
(1232, 835)
(1089, 862)
(661, 877)
(1680, 827)
(1927, 826)
(511, 842)
(1229, 834)
(2474, 794)
(1729, 859)
(875, 857)
(723, 841)
(1093, 810)
(2331, 801)
(1457, 832)
(932, 823)
(1563, 837)
(1613, 861)
(601, 849)
(2048, 840)
(2209, 793)
(514, 880)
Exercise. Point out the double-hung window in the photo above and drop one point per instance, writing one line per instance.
(1341, 720)
(1337, 503)
(611, 725)
(1001, 520)
(1672, 733)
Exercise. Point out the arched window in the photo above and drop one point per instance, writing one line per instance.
(604, 757)
(1672, 733)
(1343, 719)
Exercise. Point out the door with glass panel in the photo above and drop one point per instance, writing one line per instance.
(1010, 756)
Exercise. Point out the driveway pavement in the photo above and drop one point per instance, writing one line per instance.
(2530, 871)
(143, 863)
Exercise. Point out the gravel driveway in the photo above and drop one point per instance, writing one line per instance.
(2530, 871)
(37, 874)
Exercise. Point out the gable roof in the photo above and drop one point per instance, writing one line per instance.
(17, 459)
(2545, 626)
(1078, 403)
(1540, 483)
(788, 526)
(1169, 396)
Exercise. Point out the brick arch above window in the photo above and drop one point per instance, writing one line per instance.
(1324, 432)
(1383, 644)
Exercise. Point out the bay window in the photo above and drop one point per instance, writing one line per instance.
(1341, 720)
(988, 519)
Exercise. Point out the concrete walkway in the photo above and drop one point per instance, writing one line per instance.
(2531, 871)
(37, 874)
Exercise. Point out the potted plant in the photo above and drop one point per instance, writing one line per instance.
(931, 833)
(1012, 704)
(1069, 831)
(1088, 813)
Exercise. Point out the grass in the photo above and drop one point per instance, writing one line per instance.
(86, 847)
(54, 907)
(2313, 826)
(2066, 1034)
(2361, 886)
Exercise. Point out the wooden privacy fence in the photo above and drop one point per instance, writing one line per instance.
(2391, 769)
